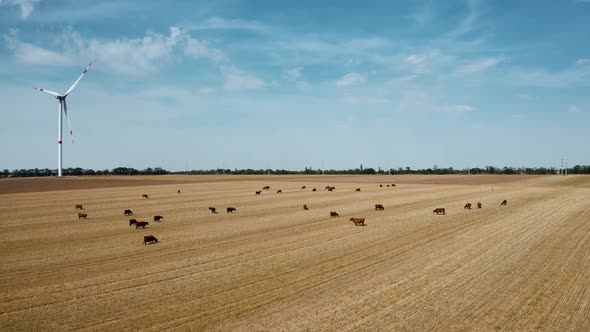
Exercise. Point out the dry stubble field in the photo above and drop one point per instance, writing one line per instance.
(273, 266)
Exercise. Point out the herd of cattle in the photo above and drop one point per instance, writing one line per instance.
(149, 239)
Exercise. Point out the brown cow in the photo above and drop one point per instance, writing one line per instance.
(358, 221)
(132, 222)
(467, 206)
(212, 209)
(379, 207)
(279, 191)
(82, 215)
(380, 186)
(303, 187)
(258, 192)
(179, 191)
(314, 189)
(504, 202)
(141, 224)
(393, 184)
(333, 214)
(158, 218)
(305, 207)
(330, 189)
(231, 210)
(358, 189)
(439, 211)
(149, 239)
(266, 187)
(479, 205)
(387, 186)
(79, 207)
(145, 196)
(127, 212)
(327, 187)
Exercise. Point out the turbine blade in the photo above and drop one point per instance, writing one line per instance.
(78, 80)
(68, 119)
(55, 94)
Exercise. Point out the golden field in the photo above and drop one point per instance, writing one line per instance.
(271, 266)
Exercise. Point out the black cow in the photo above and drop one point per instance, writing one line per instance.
(127, 212)
(158, 218)
(149, 239)
(141, 224)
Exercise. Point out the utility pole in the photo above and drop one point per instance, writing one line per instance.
(565, 166)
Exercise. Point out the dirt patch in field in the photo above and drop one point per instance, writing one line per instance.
(26, 185)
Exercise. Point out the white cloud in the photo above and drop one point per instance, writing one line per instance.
(134, 56)
(200, 49)
(524, 96)
(292, 74)
(583, 61)
(236, 79)
(35, 55)
(26, 6)
(478, 66)
(574, 110)
(366, 100)
(456, 109)
(415, 59)
(351, 79)
(303, 85)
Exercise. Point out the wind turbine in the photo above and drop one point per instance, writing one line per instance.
(63, 109)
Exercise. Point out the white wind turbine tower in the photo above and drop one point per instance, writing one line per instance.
(63, 109)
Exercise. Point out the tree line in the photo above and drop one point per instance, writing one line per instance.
(38, 172)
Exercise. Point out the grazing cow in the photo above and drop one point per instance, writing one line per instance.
(79, 207)
(333, 214)
(358, 221)
(379, 207)
(467, 206)
(127, 212)
(231, 210)
(258, 192)
(179, 191)
(149, 239)
(393, 184)
(380, 186)
(82, 215)
(314, 189)
(305, 207)
(266, 187)
(141, 224)
(145, 196)
(132, 222)
(439, 211)
(330, 189)
(158, 218)
(279, 191)
(358, 189)
(479, 205)
(327, 187)
(302, 187)
(387, 186)
(504, 202)
(212, 209)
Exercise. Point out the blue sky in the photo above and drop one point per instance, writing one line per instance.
(289, 84)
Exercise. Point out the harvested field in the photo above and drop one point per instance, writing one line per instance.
(274, 266)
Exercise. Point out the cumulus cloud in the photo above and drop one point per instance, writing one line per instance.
(478, 66)
(236, 79)
(351, 79)
(26, 6)
(30, 54)
(134, 56)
